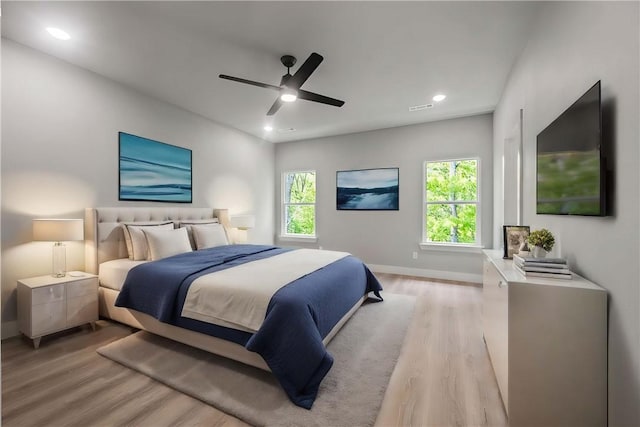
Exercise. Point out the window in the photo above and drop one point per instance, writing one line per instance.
(451, 208)
(299, 203)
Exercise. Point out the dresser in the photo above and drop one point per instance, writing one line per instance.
(48, 304)
(547, 340)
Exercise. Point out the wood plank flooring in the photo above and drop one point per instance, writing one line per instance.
(443, 378)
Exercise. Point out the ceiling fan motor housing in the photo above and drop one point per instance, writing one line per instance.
(284, 79)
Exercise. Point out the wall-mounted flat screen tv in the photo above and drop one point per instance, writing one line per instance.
(570, 161)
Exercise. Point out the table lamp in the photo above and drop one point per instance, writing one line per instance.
(58, 230)
(244, 223)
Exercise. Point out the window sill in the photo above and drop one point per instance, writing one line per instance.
(449, 247)
(294, 238)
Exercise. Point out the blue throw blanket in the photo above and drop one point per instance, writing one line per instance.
(298, 317)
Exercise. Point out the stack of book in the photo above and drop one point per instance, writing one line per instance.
(555, 268)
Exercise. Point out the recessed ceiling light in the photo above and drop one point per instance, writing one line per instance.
(439, 97)
(58, 33)
(268, 128)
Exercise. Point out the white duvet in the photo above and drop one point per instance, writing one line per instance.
(238, 297)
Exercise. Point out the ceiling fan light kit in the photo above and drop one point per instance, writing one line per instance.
(289, 95)
(289, 88)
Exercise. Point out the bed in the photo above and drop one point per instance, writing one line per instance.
(274, 345)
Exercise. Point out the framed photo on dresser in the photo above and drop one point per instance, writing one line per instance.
(514, 239)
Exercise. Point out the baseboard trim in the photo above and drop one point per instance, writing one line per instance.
(10, 329)
(423, 272)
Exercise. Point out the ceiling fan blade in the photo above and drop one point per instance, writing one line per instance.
(310, 96)
(249, 82)
(305, 71)
(275, 107)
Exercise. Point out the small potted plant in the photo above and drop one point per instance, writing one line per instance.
(542, 241)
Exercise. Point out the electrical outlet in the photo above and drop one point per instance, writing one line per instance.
(414, 255)
(320, 247)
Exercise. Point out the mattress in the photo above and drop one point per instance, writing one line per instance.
(112, 274)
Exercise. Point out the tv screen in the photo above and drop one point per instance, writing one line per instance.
(570, 164)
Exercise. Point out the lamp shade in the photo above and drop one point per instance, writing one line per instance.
(58, 230)
(243, 222)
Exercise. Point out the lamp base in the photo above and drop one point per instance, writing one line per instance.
(59, 260)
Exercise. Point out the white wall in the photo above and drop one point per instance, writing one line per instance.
(60, 128)
(388, 238)
(574, 44)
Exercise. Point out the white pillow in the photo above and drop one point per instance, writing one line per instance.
(165, 243)
(188, 223)
(137, 243)
(209, 236)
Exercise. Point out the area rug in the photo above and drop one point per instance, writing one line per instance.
(365, 351)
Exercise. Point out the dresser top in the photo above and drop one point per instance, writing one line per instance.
(506, 269)
(48, 280)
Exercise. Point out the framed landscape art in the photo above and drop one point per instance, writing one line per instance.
(368, 189)
(153, 171)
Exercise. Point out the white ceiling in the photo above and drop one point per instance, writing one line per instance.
(380, 57)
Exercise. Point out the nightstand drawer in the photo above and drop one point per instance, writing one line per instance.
(49, 317)
(82, 309)
(78, 288)
(47, 294)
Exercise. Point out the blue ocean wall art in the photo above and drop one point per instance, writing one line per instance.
(154, 171)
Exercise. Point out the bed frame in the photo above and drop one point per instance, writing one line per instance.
(104, 241)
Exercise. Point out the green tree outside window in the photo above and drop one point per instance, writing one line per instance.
(451, 206)
(299, 207)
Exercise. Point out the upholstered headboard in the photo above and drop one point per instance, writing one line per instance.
(104, 238)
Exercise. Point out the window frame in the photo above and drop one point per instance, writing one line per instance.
(424, 243)
(283, 208)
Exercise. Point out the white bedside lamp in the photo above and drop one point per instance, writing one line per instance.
(244, 223)
(58, 230)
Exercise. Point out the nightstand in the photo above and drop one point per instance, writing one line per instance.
(48, 304)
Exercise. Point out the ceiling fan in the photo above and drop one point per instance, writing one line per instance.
(290, 84)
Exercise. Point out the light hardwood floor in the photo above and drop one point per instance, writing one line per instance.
(443, 377)
(447, 378)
